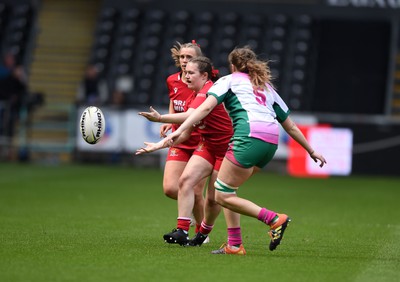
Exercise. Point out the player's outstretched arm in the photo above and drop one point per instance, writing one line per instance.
(294, 132)
(152, 147)
(155, 116)
(166, 142)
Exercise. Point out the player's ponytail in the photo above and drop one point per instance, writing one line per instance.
(245, 60)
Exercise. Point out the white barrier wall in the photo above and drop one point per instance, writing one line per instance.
(126, 131)
(137, 129)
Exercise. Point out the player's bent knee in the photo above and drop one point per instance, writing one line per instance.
(219, 199)
(171, 192)
(212, 201)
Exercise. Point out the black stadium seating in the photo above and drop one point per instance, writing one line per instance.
(15, 29)
(136, 42)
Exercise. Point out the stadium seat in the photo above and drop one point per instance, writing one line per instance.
(155, 16)
(181, 16)
(205, 17)
(229, 18)
(130, 15)
(299, 63)
(108, 14)
(15, 29)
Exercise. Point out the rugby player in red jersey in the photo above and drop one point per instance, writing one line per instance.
(178, 156)
(216, 132)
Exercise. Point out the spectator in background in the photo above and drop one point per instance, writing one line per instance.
(13, 91)
(93, 89)
(123, 86)
(117, 99)
(7, 65)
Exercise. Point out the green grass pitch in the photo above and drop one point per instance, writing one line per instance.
(104, 223)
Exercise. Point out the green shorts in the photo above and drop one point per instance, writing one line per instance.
(248, 152)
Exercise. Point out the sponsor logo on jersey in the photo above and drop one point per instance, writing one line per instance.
(200, 147)
(179, 105)
(173, 153)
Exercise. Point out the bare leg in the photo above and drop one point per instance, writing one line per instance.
(172, 172)
(197, 170)
(199, 202)
(211, 208)
(232, 218)
(235, 176)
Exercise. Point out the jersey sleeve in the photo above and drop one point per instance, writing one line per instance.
(198, 100)
(220, 88)
(281, 109)
(201, 96)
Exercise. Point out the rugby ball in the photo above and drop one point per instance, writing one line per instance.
(92, 124)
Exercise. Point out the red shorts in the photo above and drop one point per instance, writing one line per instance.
(214, 157)
(179, 154)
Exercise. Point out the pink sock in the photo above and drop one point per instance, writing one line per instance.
(266, 216)
(234, 236)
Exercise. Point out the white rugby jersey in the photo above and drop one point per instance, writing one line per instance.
(254, 112)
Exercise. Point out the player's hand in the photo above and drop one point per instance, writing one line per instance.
(318, 157)
(170, 139)
(164, 129)
(153, 115)
(151, 147)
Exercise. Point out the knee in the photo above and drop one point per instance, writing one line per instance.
(198, 196)
(210, 199)
(220, 198)
(211, 203)
(184, 182)
(171, 191)
(198, 191)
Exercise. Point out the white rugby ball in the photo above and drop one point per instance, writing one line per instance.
(92, 124)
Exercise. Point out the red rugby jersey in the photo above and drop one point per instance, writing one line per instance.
(180, 96)
(216, 128)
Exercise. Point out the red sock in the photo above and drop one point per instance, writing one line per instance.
(197, 228)
(183, 223)
(205, 229)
